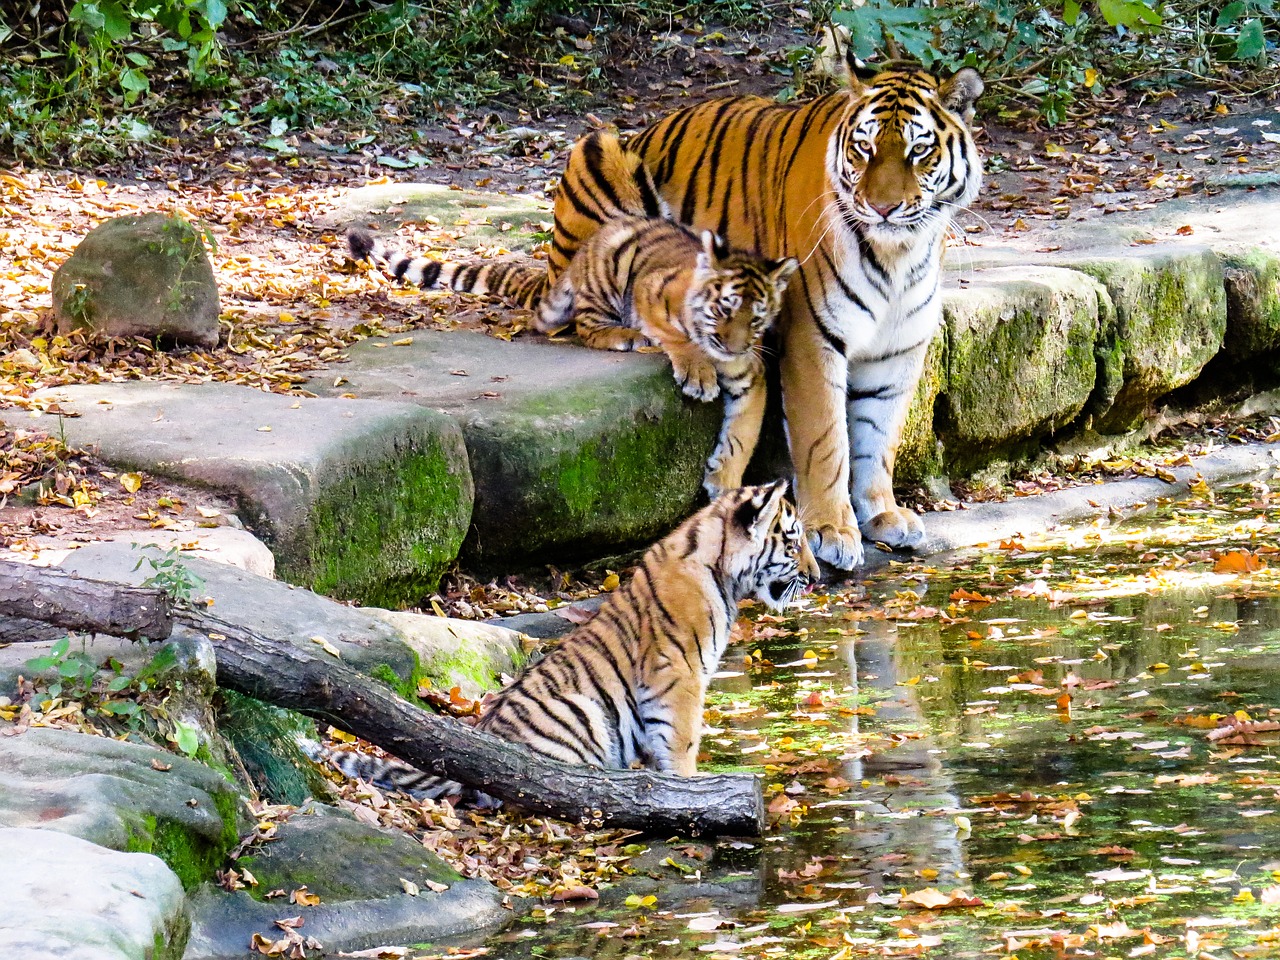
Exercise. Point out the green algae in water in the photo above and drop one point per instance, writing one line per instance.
(924, 744)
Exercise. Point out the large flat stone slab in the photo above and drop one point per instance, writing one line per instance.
(80, 901)
(471, 217)
(364, 500)
(123, 796)
(574, 452)
(357, 872)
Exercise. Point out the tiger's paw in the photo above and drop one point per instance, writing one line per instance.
(895, 527)
(719, 478)
(840, 546)
(699, 380)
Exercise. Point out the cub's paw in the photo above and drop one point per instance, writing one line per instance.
(720, 477)
(840, 546)
(895, 527)
(698, 380)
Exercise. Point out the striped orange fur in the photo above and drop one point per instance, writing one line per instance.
(860, 186)
(640, 281)
(627, 688)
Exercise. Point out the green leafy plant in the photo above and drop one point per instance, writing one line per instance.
(171, 575)
(75, 670)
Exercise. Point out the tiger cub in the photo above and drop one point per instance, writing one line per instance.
(643, 281)
(626, 688)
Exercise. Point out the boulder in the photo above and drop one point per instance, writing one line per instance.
(359, 874)
(1020, 361)
(80, 901)
(574, 452)
(1170, 317)
(366, 501)
(123, 796)
(140, 276)
(1253, 303)
(400, 650)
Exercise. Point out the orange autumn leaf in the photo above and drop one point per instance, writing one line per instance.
(1239, 561)
(968, 596)
(931, 898)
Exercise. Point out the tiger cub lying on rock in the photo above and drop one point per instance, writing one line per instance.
(643, 281)
(626, 688)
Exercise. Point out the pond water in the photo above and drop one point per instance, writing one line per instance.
(1044, 768)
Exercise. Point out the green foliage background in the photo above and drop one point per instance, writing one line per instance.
(80, 79)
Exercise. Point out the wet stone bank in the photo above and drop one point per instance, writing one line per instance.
(454, 447)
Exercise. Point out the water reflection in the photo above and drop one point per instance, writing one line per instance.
(1114, 804)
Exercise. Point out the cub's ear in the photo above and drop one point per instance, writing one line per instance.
(960, 91)
(759, 507)
(707, 256)
(781, 270)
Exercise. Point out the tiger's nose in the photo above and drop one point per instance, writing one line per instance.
(883, 209)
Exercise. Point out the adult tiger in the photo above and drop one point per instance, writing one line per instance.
(860, 186)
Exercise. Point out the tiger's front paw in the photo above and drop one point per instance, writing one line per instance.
(838, 545)
(698, 380)
(895, 527)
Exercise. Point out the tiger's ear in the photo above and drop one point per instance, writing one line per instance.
(756, 513)
(860, 72)
(780, 271)
(960, 91)
(713, 251)
(707, 255)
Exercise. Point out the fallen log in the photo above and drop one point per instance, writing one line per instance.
(88, 606)
(287, 676)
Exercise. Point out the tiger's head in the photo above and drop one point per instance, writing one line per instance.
(902, 159)
(766, 553)
(734, 298)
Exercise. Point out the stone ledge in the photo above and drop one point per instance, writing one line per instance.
(356, 500)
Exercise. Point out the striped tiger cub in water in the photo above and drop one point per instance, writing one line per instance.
(626, 688)
(642, 281)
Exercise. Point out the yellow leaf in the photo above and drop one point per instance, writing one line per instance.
(327, 647)
(402, 342)
(304, 898)
(132, 482)
(1090, 77)
(610, 582)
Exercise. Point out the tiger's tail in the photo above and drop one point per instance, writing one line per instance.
(520, 284)
(387, 773)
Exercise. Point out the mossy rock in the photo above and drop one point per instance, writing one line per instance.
(124, 796)
(1252, 280)
(580, 472)
(359, 500)
(1170, 319)
(919, 457)
(574, 452)
(1020, 361)
(140, 276)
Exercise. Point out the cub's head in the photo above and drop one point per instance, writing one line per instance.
(766, 552)
(903, 158)
(734, 298)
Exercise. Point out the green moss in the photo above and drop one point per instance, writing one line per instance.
(385, 541)
(1170, 319)
(1252, 279)
(567, 475)
(265, 737)
(192, 857)
(918, 455)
